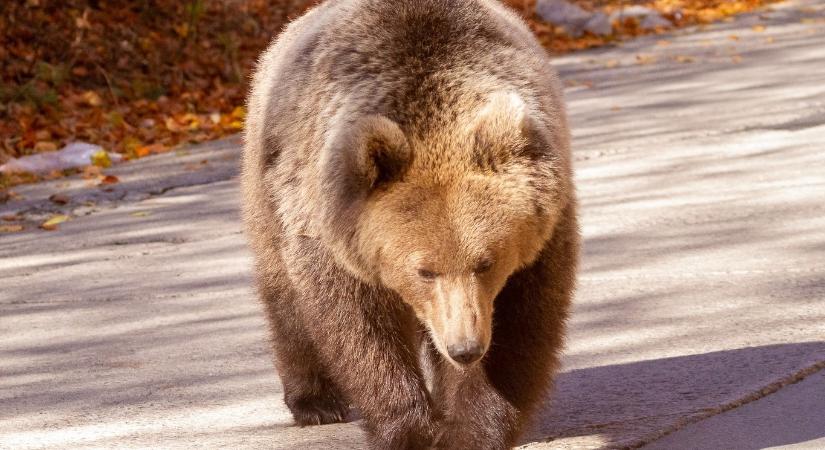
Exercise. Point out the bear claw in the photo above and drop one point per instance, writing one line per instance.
(318, 411)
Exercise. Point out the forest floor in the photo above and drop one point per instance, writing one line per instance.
(140, 78)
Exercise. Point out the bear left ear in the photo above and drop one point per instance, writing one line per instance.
(500, 129)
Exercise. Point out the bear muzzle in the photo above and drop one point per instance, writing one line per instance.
(461, 321)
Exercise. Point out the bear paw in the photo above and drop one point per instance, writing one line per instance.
(318, 410)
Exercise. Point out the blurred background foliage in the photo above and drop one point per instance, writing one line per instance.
(142, 76)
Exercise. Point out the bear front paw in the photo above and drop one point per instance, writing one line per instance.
(318, 410)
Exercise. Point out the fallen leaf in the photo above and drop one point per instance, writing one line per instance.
(172, 125)
(54, 221)
(79, 71)
(733, 37)
(10, 228)
(140, 152)
(683, 59)
(92, 98)
(60, 199)
(182, 29)
(11, 218)
(141, 214)
(645, 59)
(101, 158)
(611, 63)
(109, 179)
(758, 28)
(238, 113)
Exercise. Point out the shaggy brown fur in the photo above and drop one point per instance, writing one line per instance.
(408, 198)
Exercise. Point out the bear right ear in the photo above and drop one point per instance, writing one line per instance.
(360, 157)
(364, 155)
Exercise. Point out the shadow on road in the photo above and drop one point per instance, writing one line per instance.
(653, 396)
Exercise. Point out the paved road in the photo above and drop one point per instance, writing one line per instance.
(702, 178)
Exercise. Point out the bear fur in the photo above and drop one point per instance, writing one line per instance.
(408, 198)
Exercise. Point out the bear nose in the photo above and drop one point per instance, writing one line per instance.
(466, 352)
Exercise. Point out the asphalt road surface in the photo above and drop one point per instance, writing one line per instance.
(700, 312)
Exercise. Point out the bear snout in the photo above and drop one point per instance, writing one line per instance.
(466, 352)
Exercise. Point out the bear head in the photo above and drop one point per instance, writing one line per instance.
(443, 218)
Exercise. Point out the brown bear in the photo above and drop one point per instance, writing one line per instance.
(408, 197)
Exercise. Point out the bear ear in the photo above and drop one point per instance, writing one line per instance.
(500, 129)
(364, 155)
(360, 157)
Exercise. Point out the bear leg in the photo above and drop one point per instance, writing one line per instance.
(366, 338)
(310, 395)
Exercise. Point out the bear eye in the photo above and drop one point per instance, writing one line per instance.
(483, 266)
(428, 275)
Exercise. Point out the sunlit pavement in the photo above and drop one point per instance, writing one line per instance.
(700, 311)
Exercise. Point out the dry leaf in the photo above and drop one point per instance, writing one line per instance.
(101, 158)
(172, 125)
(140, 152)
(10, 228)
(238, 113)
(141, 214)
(758, 28)
(92, 98)
(109, 179)
(54, 221)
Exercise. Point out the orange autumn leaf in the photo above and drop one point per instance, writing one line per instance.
(109, 179)
(11, 228)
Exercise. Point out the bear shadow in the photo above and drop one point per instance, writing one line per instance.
(628, 405)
